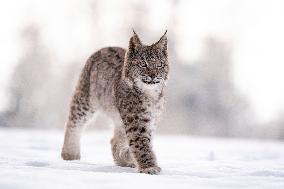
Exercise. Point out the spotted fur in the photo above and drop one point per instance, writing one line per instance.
(129, 87)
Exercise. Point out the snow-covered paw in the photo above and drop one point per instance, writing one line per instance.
(151, 170)
(70, 155)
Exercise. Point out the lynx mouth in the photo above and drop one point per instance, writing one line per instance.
(150, 82)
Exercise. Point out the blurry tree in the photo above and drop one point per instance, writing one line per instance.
(281, 128)
(38, 97)
(202, 96)
(217, 100)
(271, 129)
(28, 80)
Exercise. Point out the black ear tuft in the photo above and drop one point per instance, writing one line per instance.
(134, 33)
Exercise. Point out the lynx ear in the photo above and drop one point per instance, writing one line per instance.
(134, 42)
(163, 42)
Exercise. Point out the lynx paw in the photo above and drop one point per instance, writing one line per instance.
(70, 156)
(151, 170)
(132, 165)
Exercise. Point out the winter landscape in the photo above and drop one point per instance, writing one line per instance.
(31, 159)
(223, 124)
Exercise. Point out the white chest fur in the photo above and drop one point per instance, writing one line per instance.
(150, 90)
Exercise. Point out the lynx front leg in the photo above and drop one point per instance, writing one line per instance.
(79, 114)
(138, 133)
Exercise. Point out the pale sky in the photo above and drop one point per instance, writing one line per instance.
(254, 27)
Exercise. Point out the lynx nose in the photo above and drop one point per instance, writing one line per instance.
(147, 78)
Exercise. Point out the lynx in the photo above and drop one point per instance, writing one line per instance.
(127, 85)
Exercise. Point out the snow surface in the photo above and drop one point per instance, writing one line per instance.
(31, 159)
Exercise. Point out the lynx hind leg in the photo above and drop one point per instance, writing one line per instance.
(79, 114)
(120, 149)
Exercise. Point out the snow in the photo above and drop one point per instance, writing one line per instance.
(31, 159)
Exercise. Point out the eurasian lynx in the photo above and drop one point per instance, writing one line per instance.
(128, 85)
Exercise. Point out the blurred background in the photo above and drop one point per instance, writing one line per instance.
(226, 60)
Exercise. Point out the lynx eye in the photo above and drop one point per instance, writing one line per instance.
(143, 64)
(159, 65)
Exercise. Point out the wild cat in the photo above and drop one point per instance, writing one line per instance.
(128, 85)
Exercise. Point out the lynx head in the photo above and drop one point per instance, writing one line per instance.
(147, 65)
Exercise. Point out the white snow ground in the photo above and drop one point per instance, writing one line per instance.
(31, 159)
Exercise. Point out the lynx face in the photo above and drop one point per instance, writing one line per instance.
(147, 65)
